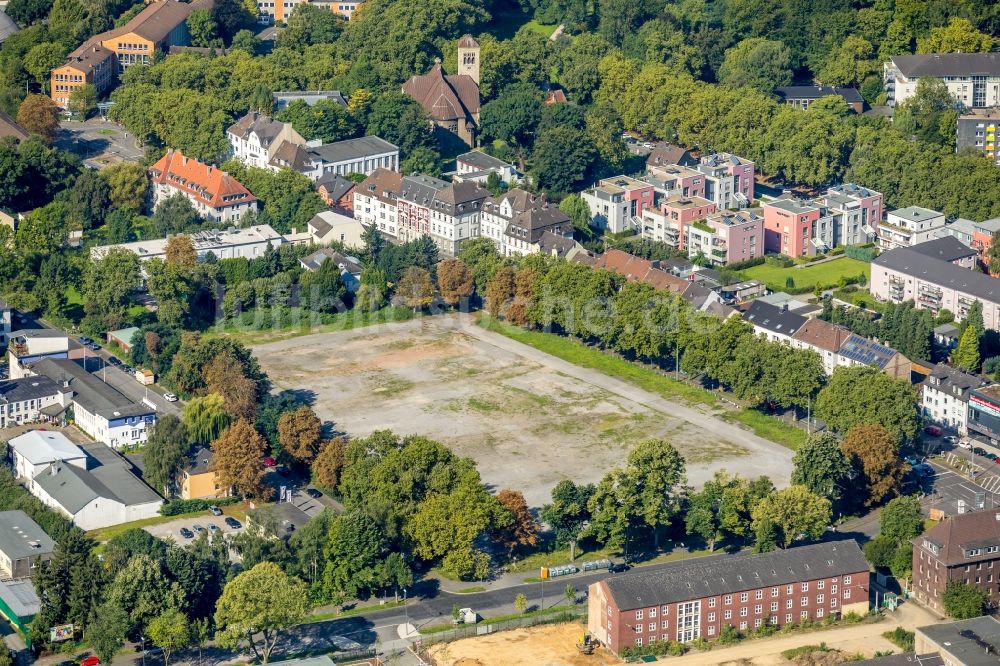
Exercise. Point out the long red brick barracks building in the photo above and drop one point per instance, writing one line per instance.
(696, 598)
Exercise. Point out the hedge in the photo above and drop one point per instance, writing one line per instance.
(865, 253)
(179, 506)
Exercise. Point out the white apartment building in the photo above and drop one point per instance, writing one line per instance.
(447, 212)
(215, 195)
(262, 142)
(910, 226)
(362, 155)
(29, 400)
(516, 220)
(972, 78)
(375, 201)
(944, 397)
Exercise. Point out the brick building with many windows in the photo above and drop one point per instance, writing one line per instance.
(963, 548)
(696, 598)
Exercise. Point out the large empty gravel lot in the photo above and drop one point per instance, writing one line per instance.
(527, 418)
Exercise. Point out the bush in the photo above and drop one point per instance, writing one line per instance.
(779, 260)
(901, 638)
(179, 506)
(865, 253)
(749, 263)
(729, 635)
(839, 250)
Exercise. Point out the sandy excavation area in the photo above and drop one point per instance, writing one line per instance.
(547, 645)
(528, 419)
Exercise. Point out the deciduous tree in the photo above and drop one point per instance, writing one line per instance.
(794, 511)
(236, 460)
(263, 601)
(127, 183)
(758, 63)
(180, 251)
(107, 633)
(39, 115)
(454, 281)
(874, 457)
(205, 417)
(165, 454)
(523, 529)
(299, 432)
(959, 36)
(863, 394)
(962, 601)
(500, 291)
(568, 514)
(415, 288)
(328, 464)
(169, 631)
(225, 376)
(820, 466)
(901, 519)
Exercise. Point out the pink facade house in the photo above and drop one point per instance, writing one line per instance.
(669, 223)
(727, 237)
(730, 180)
(788, 227)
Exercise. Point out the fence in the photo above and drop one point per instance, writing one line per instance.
(486, 627)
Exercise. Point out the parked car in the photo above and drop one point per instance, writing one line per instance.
(198, 528)
(233, 523)
(95, 347)
(924, 470)
(951, 439)
(92, 660)
(85, 340)
(269, 461)
(965, 444)
(186, 533)
(115, 361)
(312, 492)
(215, 511)
(618, 567)
(213, 528)
(979, 451)
(932, 430)
(170, 397)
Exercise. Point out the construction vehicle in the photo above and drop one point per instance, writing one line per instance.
(587, 644)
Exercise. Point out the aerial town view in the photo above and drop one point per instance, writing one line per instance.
(499, 332)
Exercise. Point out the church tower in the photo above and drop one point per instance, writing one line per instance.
(468, 57)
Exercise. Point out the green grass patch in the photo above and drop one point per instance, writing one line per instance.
(769, 427)
(260, 327)
(471, 590)
(555, 610)
(577, 353)
(535, 561)
(73, 296)
(825, 274)
(901, 638)
(804, 649)
(357, 610)
(107, 132)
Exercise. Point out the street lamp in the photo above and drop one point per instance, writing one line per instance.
(406, 613)
(142, 646)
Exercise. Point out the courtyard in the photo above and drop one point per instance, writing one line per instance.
(528, 419)
(824, 273)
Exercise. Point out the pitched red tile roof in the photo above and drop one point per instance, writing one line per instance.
(974, 530)
(445, 97)
(641, 270)
(822, 334)
(209, 185)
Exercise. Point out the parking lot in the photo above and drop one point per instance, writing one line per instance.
(172, 529)
(98, 143)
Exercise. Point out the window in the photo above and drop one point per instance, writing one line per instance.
(847, 593)
(819, 612)
(728, 599)
(789, 603)
(774, 591)
(805, 587)
(711, 617)
(638, 614)
(744, 597)
(743, 626)
(652, 626)
(711, 604)
(804, 601)
(652, 612)
(665, 610)
(638, 641)
(759, 594)
(774, 606)
(744, 611)
(664, 624)
(790, 589)
(757, 622)
(804, 615)
(638, 628)
(758, 609)
(820, 584)
(711, 631)
(788, 617)
(819, 598)
(847, 580)
(727, 615)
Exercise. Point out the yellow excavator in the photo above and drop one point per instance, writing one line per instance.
(587, 644)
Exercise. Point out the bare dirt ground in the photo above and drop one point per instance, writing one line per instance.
(548, 645)
(528, 419)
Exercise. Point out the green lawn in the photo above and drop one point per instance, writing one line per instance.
(73, 297)
(504, 25)
(541, 28)
(249, 334)
(826, 274)
(649, 379)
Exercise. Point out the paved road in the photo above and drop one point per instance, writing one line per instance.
(98, 143)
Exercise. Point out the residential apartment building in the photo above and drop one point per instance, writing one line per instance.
(669, 222)
(976, 235)
(773, 323)
(29, 400)
(726, 237)
(337, 192)
(260, 141)
(668, 154)
(856, 211)
(375, 201)
(23, 545)
(857, 350)
(32, 345)
(694, 599)
(984, 412)
(477, 166)
(796, 228)
(802, 97)
(162, 24)
(98, 409)
(910, 226)
(978, 130)
(963, 548)
(824, 338)
(944, 397)
(450, 213)
(617, 204)
(198, 480)
(914, 274)
(516, 220)
(972, 78)
(215, 195)
(247, 243)
(728, 180)
(675, 180)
